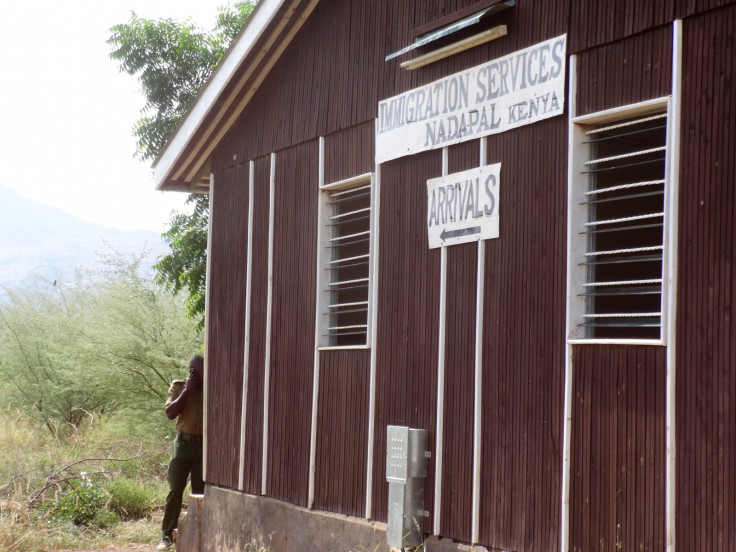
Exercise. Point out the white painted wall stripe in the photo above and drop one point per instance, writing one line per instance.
(317, 324)
(246, 346)
(373, 324)
(269, 304)
(567, 401)
(207, 301)
(671, 227)
(478, 390)
(440, 379)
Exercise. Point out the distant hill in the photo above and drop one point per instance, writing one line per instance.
(37, 240)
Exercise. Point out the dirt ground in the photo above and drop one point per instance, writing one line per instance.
(146, 548)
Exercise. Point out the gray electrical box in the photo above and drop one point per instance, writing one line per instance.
(406, 470)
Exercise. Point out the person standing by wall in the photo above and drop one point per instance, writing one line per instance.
(184, 402)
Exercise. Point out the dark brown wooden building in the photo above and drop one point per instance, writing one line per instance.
(511, 224)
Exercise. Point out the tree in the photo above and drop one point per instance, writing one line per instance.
(173, 61)
(108, 341)
(186, 266)
(137, 333)
(37, 367)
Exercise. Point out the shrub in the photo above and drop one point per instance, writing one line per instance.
(34, 464)
(79, 503)
(105, 519)
(129, 498)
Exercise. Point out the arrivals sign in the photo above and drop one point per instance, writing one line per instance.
(463, 207)
(512, 91)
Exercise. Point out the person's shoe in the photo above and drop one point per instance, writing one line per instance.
(164, 544)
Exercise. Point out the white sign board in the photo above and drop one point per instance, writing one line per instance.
(463, 207)
(512, 91)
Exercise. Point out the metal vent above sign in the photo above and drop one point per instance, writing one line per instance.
(453, 27)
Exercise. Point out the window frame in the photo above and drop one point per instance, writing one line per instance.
(324, 236)
(578, 154)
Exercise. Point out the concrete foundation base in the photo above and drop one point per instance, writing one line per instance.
(236, 522)
(433, 544)
(188, 534)
(232, 521)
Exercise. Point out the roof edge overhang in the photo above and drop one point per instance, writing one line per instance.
(184, 163)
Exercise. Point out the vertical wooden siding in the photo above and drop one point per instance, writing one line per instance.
(292, 324)
(342, 422)
(464, 156)
(427, 12)
(706, 332)
(328, 79)
(685, 8)
(226, 325)
(333, 74)
(306, 96)
(527, 22)
(257, 351)
(523, 347)
(596, 22)
(457, 479)
(457, 476)
(617, 485)
(342, 417)
(618, 448)
(350, 152)
(625, 72)
(408, 312)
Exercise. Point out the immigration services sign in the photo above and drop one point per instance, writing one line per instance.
(512, 91)
(463, 207)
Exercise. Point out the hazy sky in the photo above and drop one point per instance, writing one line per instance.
(66, 112)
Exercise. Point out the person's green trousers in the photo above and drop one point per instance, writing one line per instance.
(186, 459)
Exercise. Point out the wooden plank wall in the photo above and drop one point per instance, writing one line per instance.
(342, 419)
(625, 72)
(457, 480)
(522, 385)
(342, 436)
(427, 12)
(257, 348)
(292, 323)
(617, 485)
(408, 311)
(530, 23)
(597, 22)
(306, 97)
(523, 347)
(527, 23)
(618, 448)
(685, 8)
(350, 152)
(226, 325)
(706, 332)
(457, 476)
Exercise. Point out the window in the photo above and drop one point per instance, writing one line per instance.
(345, 262)
(618, 225)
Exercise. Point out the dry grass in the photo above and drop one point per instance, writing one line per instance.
(24, 534)
(32, 459)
